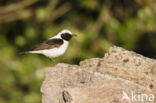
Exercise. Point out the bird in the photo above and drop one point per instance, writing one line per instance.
(55, 46)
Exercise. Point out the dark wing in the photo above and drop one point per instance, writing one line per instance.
(49, 44)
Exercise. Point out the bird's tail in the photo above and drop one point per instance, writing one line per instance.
(26, 52)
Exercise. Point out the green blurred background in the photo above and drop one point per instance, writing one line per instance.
(99, 24)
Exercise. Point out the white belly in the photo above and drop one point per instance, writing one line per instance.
(55, 52)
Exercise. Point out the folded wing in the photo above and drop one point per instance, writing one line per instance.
(49, 44)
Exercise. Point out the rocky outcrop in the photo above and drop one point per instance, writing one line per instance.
(120, 77)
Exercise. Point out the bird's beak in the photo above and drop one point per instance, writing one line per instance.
(74, 35)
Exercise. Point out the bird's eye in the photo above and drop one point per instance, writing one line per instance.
(66, 36)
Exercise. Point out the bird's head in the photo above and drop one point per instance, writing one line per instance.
(66, 35)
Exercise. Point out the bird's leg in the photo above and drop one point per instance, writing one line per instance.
(52, 60)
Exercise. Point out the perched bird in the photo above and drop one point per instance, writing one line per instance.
(55, 46)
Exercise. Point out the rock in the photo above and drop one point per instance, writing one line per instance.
(120, 77)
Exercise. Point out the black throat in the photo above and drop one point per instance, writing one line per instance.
(66, 36)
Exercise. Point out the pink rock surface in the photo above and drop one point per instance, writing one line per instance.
(102, 80)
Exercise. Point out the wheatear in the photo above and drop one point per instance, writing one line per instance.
(55, 46)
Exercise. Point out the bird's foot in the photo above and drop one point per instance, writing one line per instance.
(53, 61)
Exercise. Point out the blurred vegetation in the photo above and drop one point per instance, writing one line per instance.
(99, 24)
